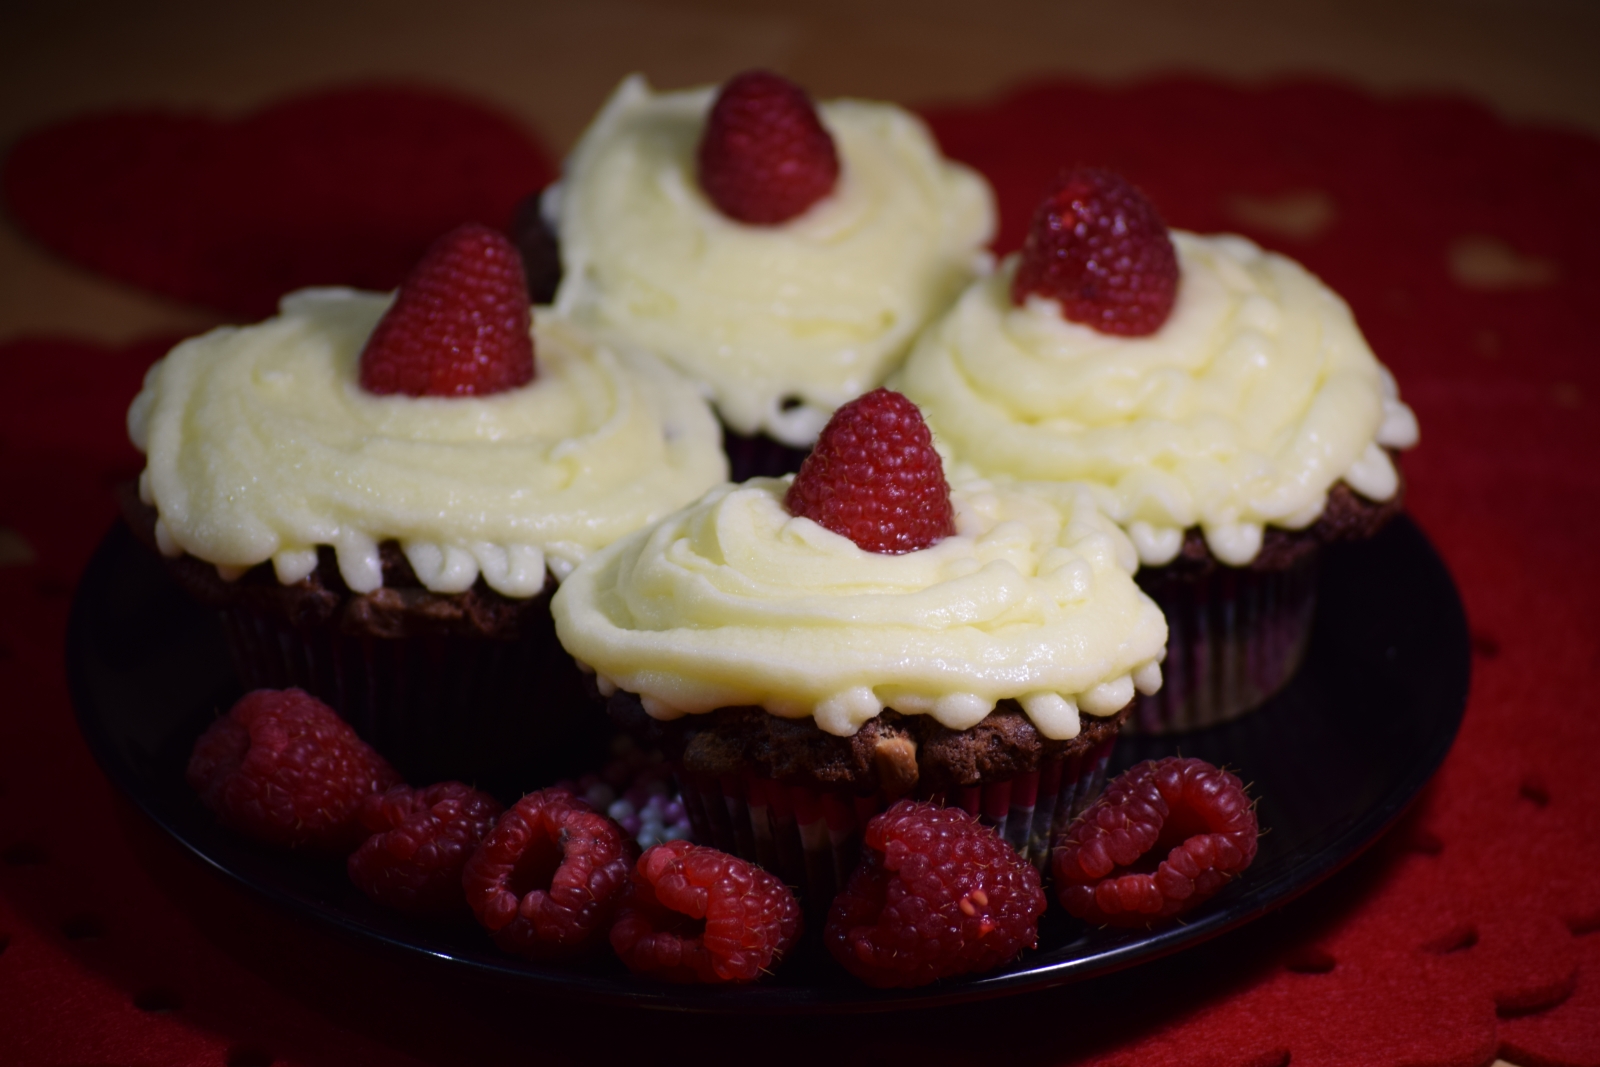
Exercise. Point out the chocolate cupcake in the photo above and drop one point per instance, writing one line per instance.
(795, 798)
(395, 553)
(780, 254)
(1218, 400)
(803, 681)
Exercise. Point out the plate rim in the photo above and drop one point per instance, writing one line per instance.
(1253, 902)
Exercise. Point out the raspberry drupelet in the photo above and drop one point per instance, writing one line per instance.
(547, 879)
(936, 894)
(765, 156)
(1099, 249)
(1196, 815)
(700, 915)
(875, 478)
(421, 840)
(282, 767)
(459, 324)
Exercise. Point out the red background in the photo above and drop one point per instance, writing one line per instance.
(1470, 251)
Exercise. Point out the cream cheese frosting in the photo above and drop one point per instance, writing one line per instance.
(1242, 410)
(780, 324)
(262, 445)
(734, 602)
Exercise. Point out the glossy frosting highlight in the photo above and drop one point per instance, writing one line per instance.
(733, 602)
(780, 324)
(1256, 396)
(262, 445)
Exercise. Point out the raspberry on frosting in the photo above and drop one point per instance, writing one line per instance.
(459, 324)
(1099, 249)
(937, 894)
(282, 767)
(765, 156)
(875, 478)
(700, 915)
(1164, 836)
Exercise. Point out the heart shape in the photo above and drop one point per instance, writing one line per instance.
(343, 187)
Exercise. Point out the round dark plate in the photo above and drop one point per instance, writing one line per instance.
(1334, 759)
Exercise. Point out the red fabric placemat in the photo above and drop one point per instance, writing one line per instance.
(344, 187)
(1470, 251)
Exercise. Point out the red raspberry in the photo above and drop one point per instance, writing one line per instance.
(937, 894)
(282, 767)
(547, 879)
(1193, 813)
(699, 915)
(421, 839)
(459, 323)
(874, 477)
(1099, 248)
(765, 156)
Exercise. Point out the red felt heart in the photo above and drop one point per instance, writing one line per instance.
(346, 187)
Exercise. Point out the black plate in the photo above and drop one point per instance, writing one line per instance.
(1334, 759)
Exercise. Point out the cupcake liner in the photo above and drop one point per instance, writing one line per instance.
(811, 838)
(506, 716)
(760, 456)
(1235, 637)
(1029, 811)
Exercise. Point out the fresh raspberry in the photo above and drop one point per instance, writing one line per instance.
(1193, 813)
(282, 767)
(1098, 248)
(548, 878)
(874, 477)
(699, 915)
(459, 322)
(421, 839)
(765, 156)
(937, 894)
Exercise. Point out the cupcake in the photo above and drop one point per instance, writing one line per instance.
(380, 493)
(813, 647)
(781, 255)
(1219, 400)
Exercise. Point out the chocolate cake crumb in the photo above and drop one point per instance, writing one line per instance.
(999, 747)
(895, 759)
(894, 753)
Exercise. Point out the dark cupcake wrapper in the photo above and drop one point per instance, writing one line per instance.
(507, 716)
(1030, 811)
(811, 838)
(760, 456)
(1234, 638)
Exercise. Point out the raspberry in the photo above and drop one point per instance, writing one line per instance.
(1098, 247)
(937, 894)
(421, 839)
(765, 156)
(547, 879)
(282, 767)
(459, 322)
(874, 477)
(699, 915)
(1196, 815)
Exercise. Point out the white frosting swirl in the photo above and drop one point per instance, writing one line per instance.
(780, 324)
(734, 602)
(261, 444)
(1251, 401)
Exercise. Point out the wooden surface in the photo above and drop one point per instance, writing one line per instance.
(552, 64)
